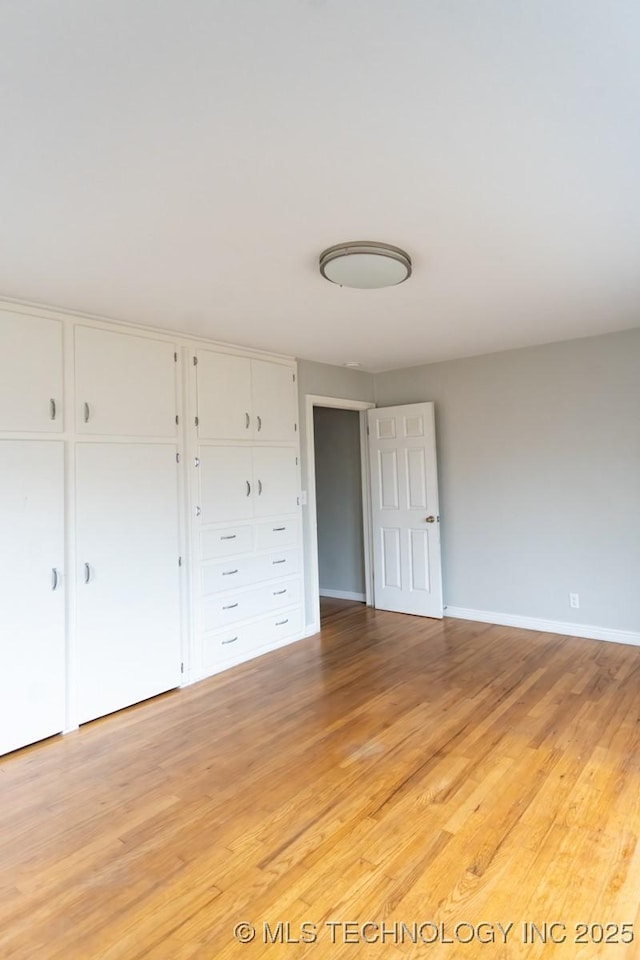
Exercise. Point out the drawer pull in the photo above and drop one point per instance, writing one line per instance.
(233, 640)
(278, 593)
(231, 536)
(230, 606)
(278, 529)
(279, 561)
(227, 573)
(280, 623)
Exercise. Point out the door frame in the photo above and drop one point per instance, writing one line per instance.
(337, 403)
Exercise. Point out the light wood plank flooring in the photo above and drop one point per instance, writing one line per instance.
(392, 770)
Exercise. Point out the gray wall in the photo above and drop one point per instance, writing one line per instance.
(339, 500)
(539, 469)
(324, 380)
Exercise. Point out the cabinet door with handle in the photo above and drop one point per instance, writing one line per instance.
(125, 385)
(224, 397)
(227, 490)
(32, 615)
(128, 603)
(274, 401)
(30, 373)
(275, 479)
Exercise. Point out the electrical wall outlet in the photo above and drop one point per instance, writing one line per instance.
(574, 600)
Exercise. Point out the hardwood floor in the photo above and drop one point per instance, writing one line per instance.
(392, 770)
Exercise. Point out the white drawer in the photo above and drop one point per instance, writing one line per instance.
(279, 533)
(219, 610)
(225, 542)
(238, 643)
(284, 563)
(228, 575)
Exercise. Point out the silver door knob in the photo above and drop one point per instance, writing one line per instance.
(430, 519)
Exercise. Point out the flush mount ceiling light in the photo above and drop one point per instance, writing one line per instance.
(364, 264)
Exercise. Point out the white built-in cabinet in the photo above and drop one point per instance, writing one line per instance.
(128, 597)
(31, 381)
(245, 399)
(247, 562)
(32, 608)
(149, 515)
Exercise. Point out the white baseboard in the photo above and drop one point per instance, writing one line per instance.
(342, 595)
(545, 626)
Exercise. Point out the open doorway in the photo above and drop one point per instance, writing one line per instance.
(339, 504)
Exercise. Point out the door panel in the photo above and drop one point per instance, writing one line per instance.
(128, 611)
(32, 615)
(275, 475)
(30, 373)
(226, 484)
(274, 402)
(224, 397)
(125, 385)
(406, 522)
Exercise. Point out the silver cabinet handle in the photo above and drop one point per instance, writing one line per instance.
(227, 573)
(198, 511)
(54, 578)
(232, 536)
(279, 561)
(278, 593)
(259, 419)
(247, 421)
(278, 529)
(87, 412)
(52, 408)
(87, 573)
(196, 461)
(248, 488)
(279, 623)
(233, 640)
(230, 606)
(259, 488)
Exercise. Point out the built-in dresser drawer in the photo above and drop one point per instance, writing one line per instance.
(226, 542)
(240, 643)
(280, 533)
(219, 610)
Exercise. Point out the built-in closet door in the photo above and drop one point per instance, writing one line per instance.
(224, 397)
(226, 484)
(125, 385)
(32, 615)
(275, 481)
(30, 373)
(128, 609)
(274, 401)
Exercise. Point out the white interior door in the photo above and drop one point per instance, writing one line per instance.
(125, 385)
(405, 513)
(274, 401)
(128, 604)
(30, 373)
(32, 619)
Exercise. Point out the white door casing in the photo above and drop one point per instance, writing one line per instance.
(128, 602)
(32, 607)
(405, 510)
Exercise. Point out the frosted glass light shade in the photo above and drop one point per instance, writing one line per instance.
(365, 265)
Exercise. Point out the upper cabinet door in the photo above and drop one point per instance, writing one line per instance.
(274, 401)
(30, 373)
(125, 385)
(224, 397)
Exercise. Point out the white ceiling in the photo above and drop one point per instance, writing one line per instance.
(183, 163)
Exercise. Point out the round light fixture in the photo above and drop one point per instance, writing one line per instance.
(365, 265)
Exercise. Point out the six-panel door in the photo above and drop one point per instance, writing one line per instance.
(128, 609)
(30, 373)
(32, 614)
